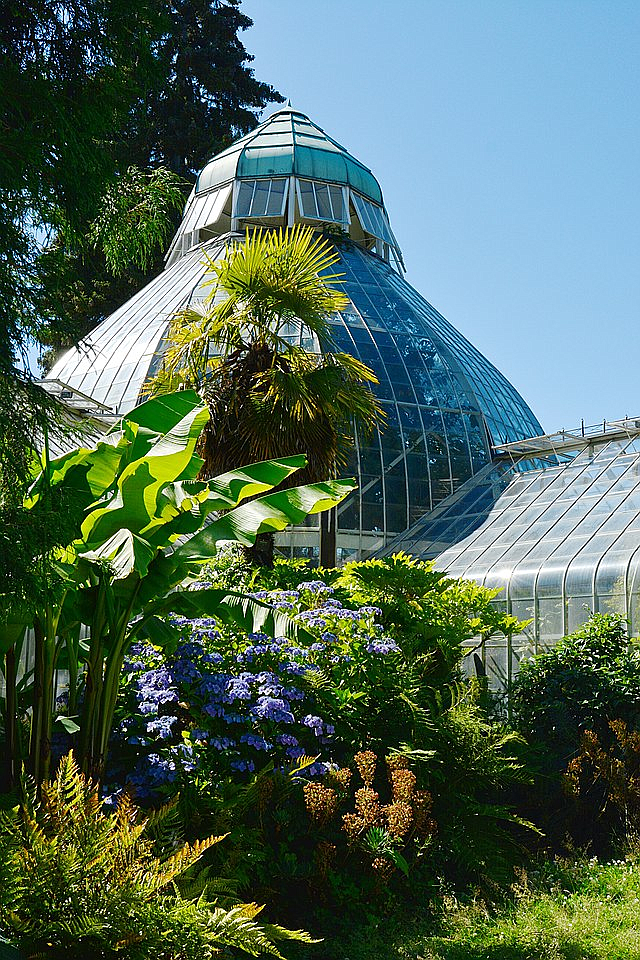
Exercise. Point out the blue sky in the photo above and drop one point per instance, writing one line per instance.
(505, 136)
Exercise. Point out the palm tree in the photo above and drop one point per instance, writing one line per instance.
(260, 351)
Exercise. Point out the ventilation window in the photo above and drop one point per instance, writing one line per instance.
(261, 198)
(322, 201)
(373, 219)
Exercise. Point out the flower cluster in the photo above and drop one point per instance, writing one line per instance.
(227, 704)
(379, 831)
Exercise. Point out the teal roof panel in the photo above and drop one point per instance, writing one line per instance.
(289, 143)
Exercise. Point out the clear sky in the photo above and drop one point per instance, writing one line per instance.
(506, 137)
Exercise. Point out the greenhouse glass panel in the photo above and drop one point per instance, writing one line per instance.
(579, 609)
(611, 575)
(550, 618)
(256, 197)
(244, 198)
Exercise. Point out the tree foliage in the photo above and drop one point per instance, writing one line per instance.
(105, 108)
(89, 89)
(269, 393)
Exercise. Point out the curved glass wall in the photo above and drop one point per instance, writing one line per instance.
(560, 543)
(444, 406)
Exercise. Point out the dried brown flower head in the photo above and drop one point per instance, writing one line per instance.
(365, 761)
(368, 806)
(352, 825)
(403, 783)
(321, 801)
(399, 818)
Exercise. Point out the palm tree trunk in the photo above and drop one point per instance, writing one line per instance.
(261, 554)
(328, 524)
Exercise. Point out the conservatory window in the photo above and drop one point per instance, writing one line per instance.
(322, 201)
(261, 198)
(373, 219)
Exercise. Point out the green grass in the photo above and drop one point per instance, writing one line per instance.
(584, 911)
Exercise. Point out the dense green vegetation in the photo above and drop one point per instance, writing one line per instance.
(562, 910)
(320, 722)
(246, 748)
(107, 110)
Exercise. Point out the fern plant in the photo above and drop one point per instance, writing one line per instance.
(79, 881)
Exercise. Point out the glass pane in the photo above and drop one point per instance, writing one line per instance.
(307, 199)
(579, 609)
(337, 202)
(322, 199)
(243, 200)
(260, 198)
(276, 199)
(550, 619)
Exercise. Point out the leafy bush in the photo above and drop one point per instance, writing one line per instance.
(238, 722)
(587, 680)
(229, 703)
(78, 882)
(428, 613)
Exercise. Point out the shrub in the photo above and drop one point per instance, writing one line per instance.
(226, 703)
(587, 680)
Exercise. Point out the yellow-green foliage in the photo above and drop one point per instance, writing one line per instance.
(424, 609)
(78, 881)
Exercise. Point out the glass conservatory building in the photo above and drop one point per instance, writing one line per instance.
(447, 407)
(554, 523)
(462, 471)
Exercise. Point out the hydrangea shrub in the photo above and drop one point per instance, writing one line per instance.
(224, 704)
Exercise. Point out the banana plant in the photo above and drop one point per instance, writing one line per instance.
(145, 525)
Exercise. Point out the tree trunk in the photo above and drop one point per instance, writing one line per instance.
(328, 524)
(261, 554)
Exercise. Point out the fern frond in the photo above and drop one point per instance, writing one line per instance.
(164, 872)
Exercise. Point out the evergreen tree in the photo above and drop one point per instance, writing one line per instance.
(94, 93)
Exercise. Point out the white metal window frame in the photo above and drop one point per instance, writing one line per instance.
(314, 213)
(256, 184)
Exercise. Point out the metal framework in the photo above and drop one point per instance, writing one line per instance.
(559, 541)
(446, 405)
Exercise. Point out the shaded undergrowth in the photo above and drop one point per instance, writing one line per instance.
(584, 910)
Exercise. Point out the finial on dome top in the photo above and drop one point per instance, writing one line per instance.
(289, 104)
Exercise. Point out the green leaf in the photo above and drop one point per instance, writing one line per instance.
(68, 724)
(168, 457)
(270, 513)
(182, 506)
(126, 553)
(399, 861)
(159, 633)
(12, 630)
(161, 414)
(87, 472)
(237, 609)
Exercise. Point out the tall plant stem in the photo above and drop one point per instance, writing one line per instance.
(111, 685)
(10, 677)
(93, 682)
(38, 691)
(44, 671)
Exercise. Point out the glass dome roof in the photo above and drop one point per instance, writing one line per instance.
(287, 144)
(446, 404)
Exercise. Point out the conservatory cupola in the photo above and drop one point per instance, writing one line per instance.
(286, 171)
